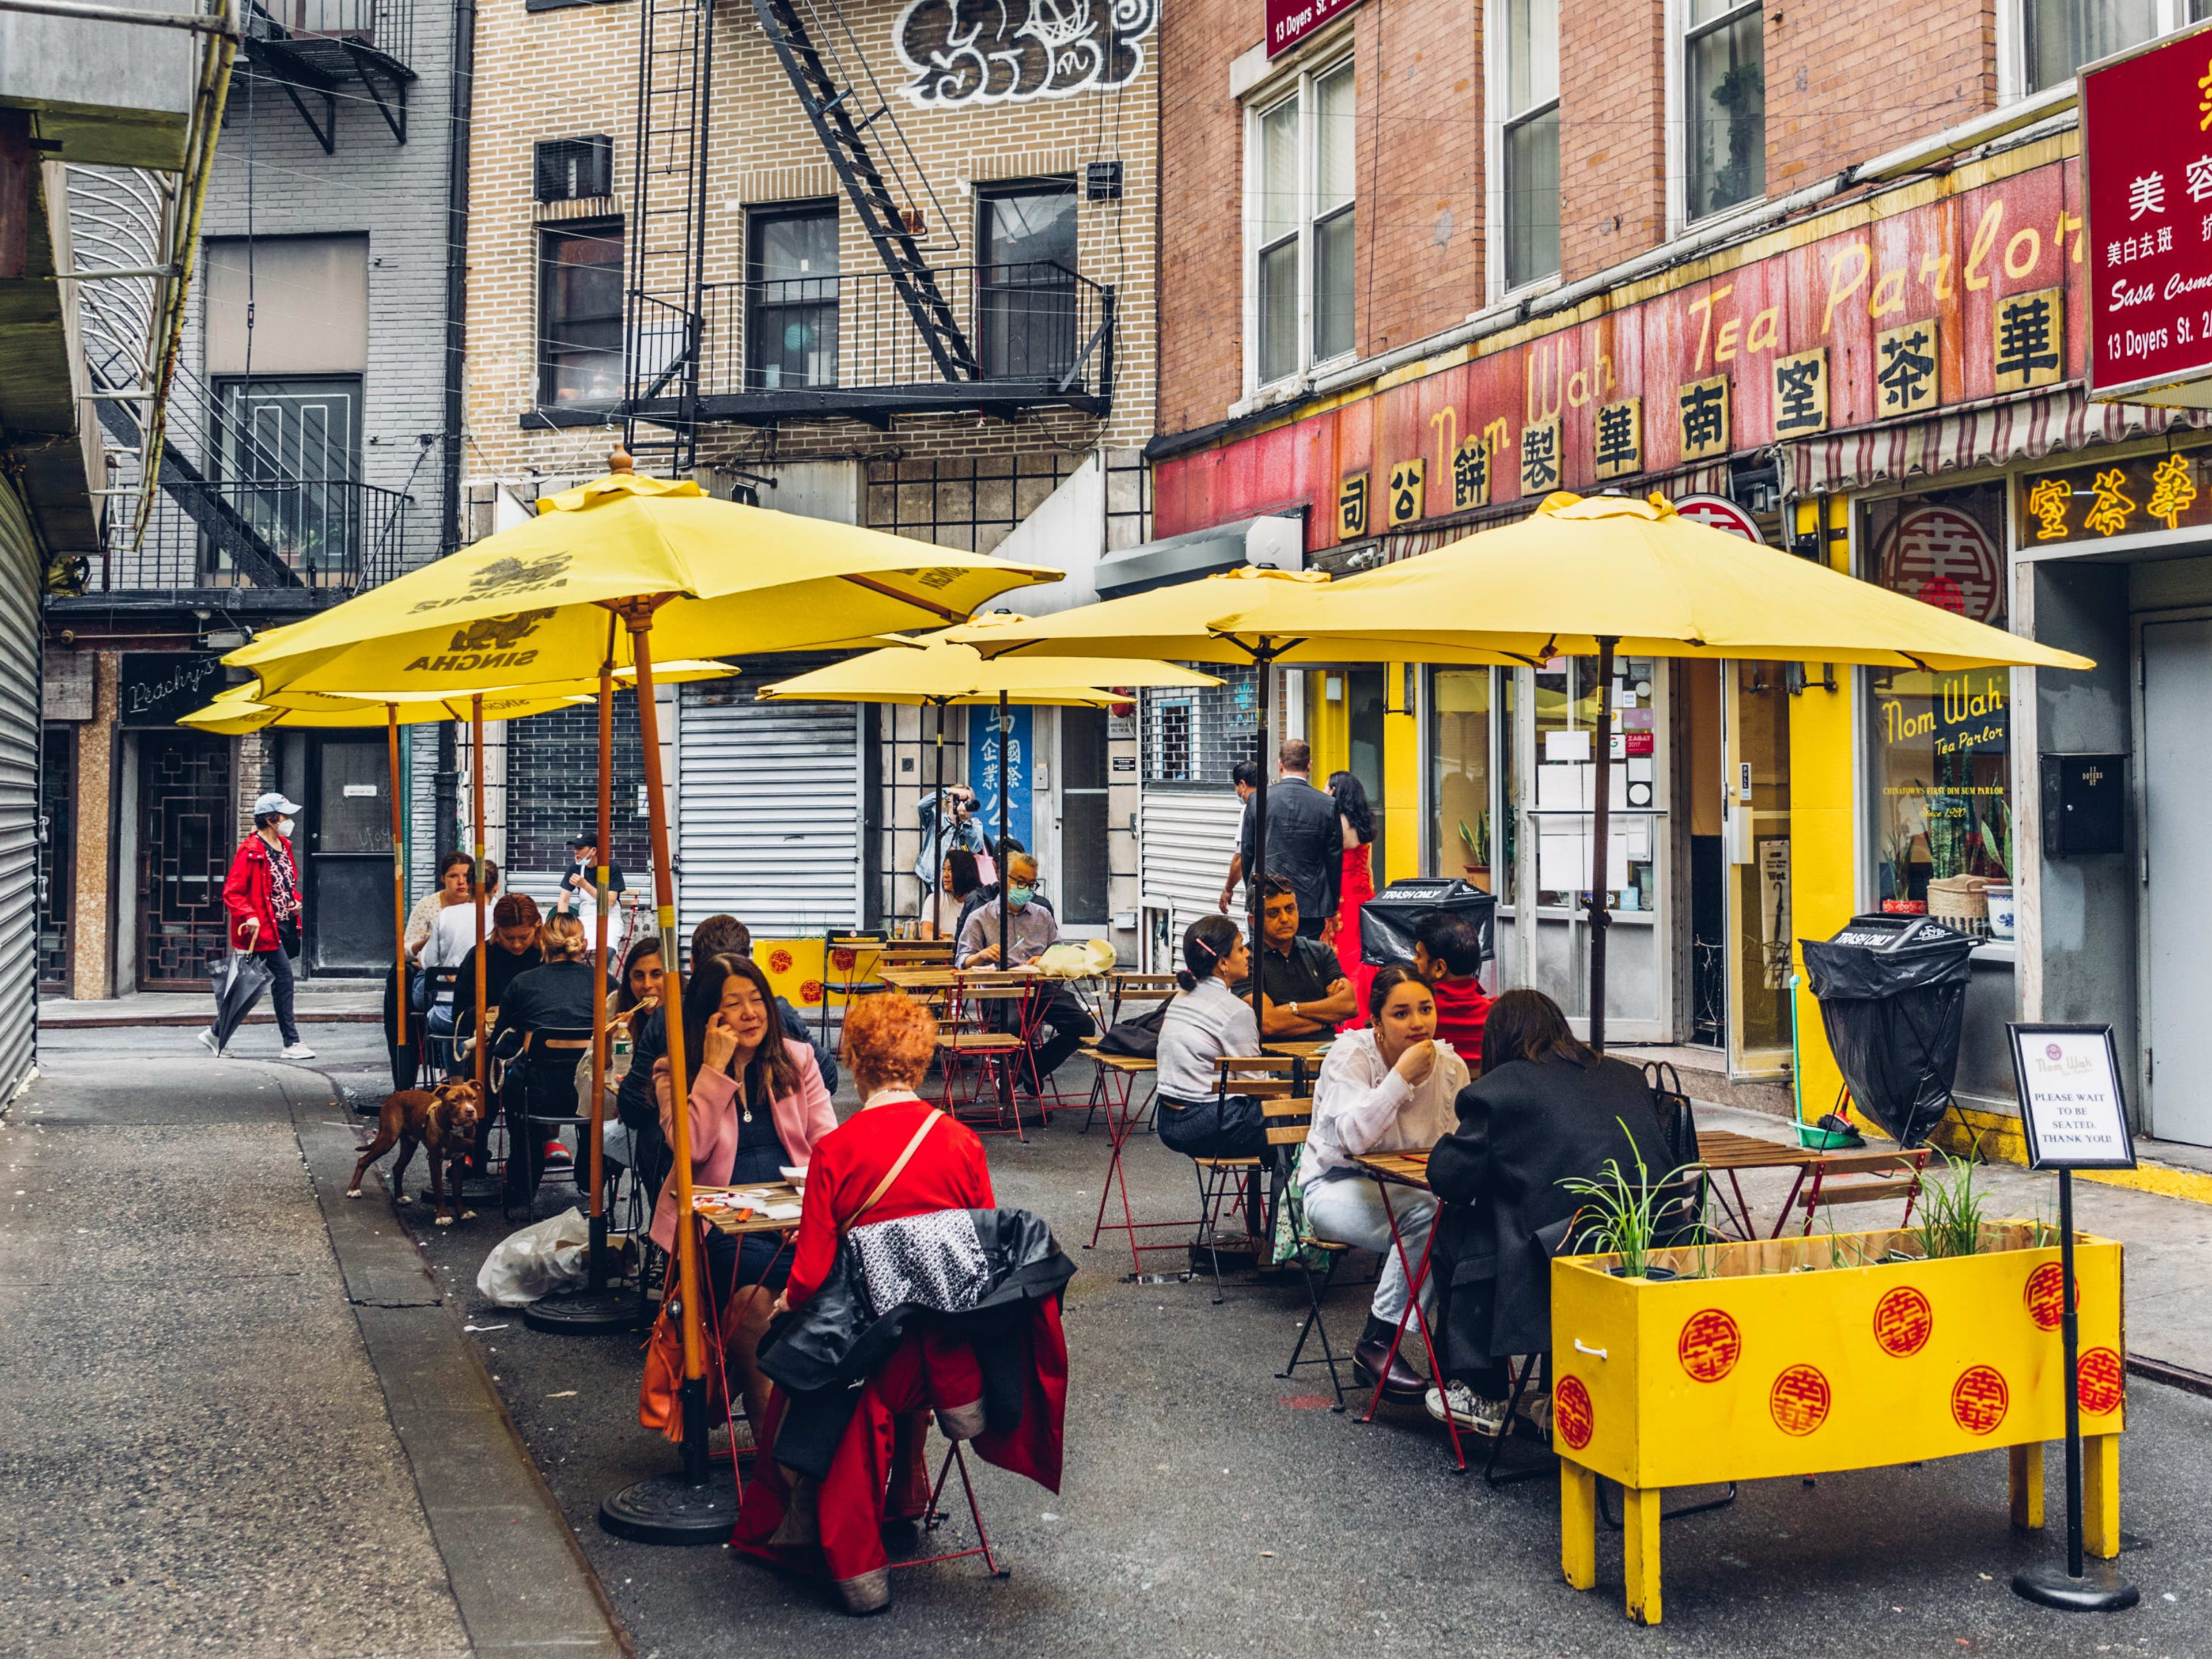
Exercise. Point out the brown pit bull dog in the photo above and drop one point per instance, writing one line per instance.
(444, 1119)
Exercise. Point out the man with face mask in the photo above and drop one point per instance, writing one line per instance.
(261, 894)
(1030, 928)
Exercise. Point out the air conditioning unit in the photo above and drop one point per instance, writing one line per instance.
(574, 169)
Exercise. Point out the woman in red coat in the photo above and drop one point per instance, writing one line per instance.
(261, 894)
(897, 1156)
(1355, 823)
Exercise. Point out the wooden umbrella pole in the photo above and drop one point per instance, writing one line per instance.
(637, 616)
(1005, 858)
(476, 788)
(937, 822)
(1601, 916)
(597, 1272)
(398, 878)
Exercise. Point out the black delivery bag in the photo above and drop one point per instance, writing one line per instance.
(1893, 992)
(1387, 921)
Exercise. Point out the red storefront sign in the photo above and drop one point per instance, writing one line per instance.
(1900, 312)
(2147, 162)
(1290, 21)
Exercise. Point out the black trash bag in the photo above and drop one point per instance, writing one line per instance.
(1387, 921)
(244, 978)
(1893, 992)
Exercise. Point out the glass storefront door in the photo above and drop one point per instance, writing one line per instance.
(1755, 833)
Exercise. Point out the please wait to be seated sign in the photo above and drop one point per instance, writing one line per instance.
(2071, 1098)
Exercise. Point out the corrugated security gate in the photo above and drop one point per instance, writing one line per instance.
(768, 812)
(1185, 839)
(20, 585)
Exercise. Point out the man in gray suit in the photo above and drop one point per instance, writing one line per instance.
(1305, 846)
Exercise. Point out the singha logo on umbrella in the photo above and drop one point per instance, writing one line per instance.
(497, 633)
(502, 574)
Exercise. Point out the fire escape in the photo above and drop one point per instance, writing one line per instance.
(897, 340)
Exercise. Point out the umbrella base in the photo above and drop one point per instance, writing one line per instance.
(2099, 1589)
(671, 1509)
(583, 1312)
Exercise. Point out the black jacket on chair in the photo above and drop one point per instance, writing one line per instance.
(1522, 1129)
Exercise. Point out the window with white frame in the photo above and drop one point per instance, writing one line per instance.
(1724, 105)
(1298, 272)
(2057, 37)
(1527, 78)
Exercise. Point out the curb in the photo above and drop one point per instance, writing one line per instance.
(124, 1021)
(2173, 1377)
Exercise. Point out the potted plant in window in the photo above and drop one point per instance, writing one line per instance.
(1476, 843)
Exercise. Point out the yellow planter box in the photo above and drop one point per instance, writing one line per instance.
(1802, 1356)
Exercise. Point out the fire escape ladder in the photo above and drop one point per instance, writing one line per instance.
(667, 230)
(830, 107)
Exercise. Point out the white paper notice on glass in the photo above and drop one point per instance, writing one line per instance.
(2075, 1112)
(1560, 746)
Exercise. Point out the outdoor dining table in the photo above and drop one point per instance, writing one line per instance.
(1723, 1152)
(758, 1207)
(1409, 1170)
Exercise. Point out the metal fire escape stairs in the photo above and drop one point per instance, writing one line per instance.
(665, 327)
(831, 101)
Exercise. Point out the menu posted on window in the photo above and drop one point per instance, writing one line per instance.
(2147, 176)
(2071, 1098)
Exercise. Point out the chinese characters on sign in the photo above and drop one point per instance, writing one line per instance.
(1352, 508)
(1471, 474)
(1944, 558)
(1539, 457)
(2147, 179)
(1620, 438)
(1801, 393)
(2030, 341)
(1405, 504)
(1905, 367)
(1704, 409)
(1290, 21)
(2132, 497)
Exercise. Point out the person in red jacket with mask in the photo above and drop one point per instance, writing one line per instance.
(261, 894)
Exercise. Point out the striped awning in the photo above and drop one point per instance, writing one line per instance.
(2025, 427)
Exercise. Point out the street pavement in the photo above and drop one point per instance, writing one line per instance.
(1211, 1507)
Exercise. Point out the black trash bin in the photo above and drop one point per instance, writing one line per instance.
(1893, 992)
(1387, 921)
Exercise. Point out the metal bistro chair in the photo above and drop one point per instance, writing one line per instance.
(538, 1094)
(969, 1051)
(1231, 1185)
(1289, 1120)
(1154, 988)
(866, 948)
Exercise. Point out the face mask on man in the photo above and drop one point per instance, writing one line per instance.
(284, 826)
(1018, 896)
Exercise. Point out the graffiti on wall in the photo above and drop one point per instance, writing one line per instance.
(992, 52)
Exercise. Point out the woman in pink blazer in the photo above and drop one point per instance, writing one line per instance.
(756, 1106)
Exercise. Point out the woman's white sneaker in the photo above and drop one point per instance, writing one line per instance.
(296, 1051)
(1467, 1408)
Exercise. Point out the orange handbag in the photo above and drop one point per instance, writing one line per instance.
(660, 1398)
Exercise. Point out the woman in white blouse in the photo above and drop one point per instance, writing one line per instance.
(1206, 1022)
(1388, 1088)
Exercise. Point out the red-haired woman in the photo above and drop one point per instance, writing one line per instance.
(861, 1448)
(757, 1105)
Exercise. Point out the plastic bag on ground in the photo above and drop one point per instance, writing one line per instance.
(533, 1260)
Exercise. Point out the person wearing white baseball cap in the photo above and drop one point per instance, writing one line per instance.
(261, 894)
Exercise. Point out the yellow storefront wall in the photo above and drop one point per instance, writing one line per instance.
(1328, 729)
(1823, 831)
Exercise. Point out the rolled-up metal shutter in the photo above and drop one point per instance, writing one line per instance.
(1187, 837)
(768, 815)
(20, 585)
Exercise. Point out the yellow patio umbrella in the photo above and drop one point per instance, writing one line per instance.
(940, 671)
(603, 575)
(1609, 574)
(1175, 622)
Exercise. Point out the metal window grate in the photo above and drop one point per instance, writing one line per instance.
(574, 169)
(1171, 744)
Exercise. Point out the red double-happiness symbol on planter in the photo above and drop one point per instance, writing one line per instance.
(1799, 1399)
(1710, 1346)
(779, 962)
(1571, 1415)
(1979, 1398)
(1903, 1321)
(2046, 1298)
(2101, 1381)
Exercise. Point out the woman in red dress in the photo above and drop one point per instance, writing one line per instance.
(898, 1157)
(1355, 823)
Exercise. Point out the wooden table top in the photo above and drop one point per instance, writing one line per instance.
(971, 979)
(714, 1206)
(1399, 1168)
(1723, 1149)
(1302, 1049)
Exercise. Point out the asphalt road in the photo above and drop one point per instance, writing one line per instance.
(1213, 1508)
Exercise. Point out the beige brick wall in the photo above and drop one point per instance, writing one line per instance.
(564, 73)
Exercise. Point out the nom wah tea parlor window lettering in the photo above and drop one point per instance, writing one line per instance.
(1940, 744)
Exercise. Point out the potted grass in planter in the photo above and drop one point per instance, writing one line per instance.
(1837, 1350)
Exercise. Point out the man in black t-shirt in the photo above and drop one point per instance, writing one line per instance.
(579, 897)
(1304, 992)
